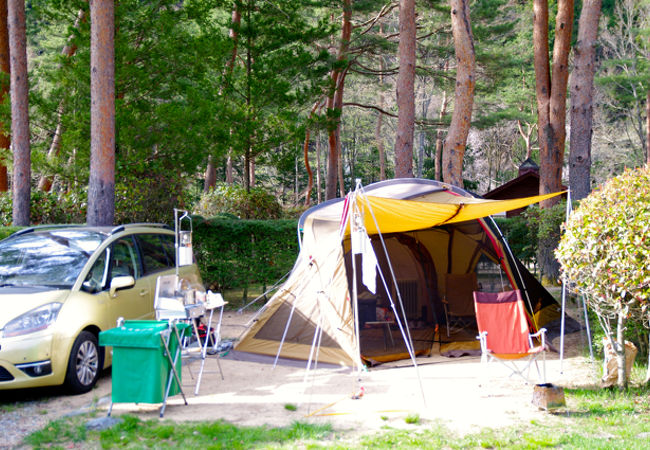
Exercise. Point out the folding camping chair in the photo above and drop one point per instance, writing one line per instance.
(504, 333)
(458, 302)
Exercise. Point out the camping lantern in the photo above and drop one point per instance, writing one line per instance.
(185, 257)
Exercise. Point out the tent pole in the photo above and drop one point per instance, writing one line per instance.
(284, 334)
(286, 327)
(564, 288)
(515, 268)
(406, 335)
(564, 281)
(355, 298)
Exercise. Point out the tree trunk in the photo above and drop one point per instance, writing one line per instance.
(310, 174)
(247, 169)
(340, 162)
(647, 129)
(101, 186)
(619, 347)
(526, 135)
(380, 121)
(647, 373)
(335, 103)
(305, 149)
(229, 177)
(380, 141)
(253, 180)
(422, 136)
(19, 111)
(45, 182)
(454, 144)
(437, 162)
(405, 91)
(211, 171)
(318, 170)
(5, 140)
(551, 112)
(551, 94)
(582, 83)
(210, 175)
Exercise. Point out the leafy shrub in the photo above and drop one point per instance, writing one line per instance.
(525, 232)
(238, 253)
(521, 238)
(605, 251)
(149, 198)
(236, 200)
(48, 207)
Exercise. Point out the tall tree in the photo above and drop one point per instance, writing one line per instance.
(101, 185)
(582, 89)
(233, 34)
(19, 112)
(454, 145)
(335, 102)
(45, 182)
(624, 77)
(5, 141)
(551, 92)
(405, 91)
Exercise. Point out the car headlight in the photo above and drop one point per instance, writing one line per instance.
(35, 320)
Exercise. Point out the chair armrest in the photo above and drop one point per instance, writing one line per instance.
(541, 334)
(482, 337)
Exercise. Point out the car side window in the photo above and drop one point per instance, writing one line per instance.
(97, 277)
(157, 254)
(124, 259)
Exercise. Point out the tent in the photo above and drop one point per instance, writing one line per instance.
(420, 231)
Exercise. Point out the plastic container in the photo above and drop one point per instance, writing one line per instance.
(141, 368)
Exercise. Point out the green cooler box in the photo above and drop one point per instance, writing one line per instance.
(141, 368)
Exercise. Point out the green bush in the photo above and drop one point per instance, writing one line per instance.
(149, 198)
(236, 200)
(48, 207)
(524, 232)
(238, 253)
(605, 250)
(521, 238)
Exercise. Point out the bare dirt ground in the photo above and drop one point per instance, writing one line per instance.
(461, 393)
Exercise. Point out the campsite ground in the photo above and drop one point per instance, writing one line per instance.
(460, 393)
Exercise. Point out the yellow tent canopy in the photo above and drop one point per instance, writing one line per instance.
(394, 215)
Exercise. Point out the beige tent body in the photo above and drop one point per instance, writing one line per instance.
(421, 231)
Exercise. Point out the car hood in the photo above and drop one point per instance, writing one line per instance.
(15, 301)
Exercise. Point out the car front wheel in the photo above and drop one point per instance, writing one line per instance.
(84, 363)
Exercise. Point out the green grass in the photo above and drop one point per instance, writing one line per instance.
(592, 419)
(135, 433)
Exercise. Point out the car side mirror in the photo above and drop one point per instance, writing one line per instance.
(119, 283)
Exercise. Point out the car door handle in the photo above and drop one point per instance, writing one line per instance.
(144, 292)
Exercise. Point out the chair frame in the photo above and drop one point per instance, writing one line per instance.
(450, 316)
(509, 359)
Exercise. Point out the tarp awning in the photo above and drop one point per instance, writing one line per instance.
(393, 215)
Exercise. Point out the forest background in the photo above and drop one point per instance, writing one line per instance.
(289, 102)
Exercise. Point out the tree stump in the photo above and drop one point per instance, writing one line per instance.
(547, 396)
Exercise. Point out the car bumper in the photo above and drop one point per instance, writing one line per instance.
(29, 363)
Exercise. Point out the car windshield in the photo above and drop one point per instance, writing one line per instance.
(49, 259)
